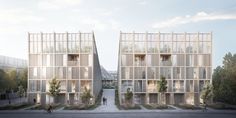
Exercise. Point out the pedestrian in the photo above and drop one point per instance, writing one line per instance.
(204, 107)
(103, 100)
(34, 101)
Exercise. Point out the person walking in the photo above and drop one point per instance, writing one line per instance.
(103, 100)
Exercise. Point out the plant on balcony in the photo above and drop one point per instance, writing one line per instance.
(86, 96)
(162, 87)
(54, 89)
(129, 97)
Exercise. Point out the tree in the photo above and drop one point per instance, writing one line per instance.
(162, 88)
(86, 96)
(12, 85)
(129, 96)
(3, 81)
(54, 89)
(207, 92)
(22, 78)
(224, 80)
(21, 92)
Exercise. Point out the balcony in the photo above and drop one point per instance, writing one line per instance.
(166, 63)
(73, 60)
(73, 63)
(139, 60)
(165, 60)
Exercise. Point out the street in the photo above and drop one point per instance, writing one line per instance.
(118, 115)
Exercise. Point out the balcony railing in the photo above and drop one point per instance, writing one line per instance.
(73, 63)
(181, 89)
(166, 63)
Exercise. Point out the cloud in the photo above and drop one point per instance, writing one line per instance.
(198, 17)
(57, 4)
(18, 16)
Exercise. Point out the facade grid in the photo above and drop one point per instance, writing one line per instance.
(69, 57)
(184, 59)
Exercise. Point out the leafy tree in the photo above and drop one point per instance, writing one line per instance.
(86, 96)
(22, 78)
(224, 80)
(12, 78)
(207, 92)
(3, 80)
(129, 96)
(162, 88)
(54, 89)
(21, 92)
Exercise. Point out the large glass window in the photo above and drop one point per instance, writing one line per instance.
(189, 86)
(204, 60)
(127, 60)
(139, 47)
(178, 60)
(165, 47)
(85, 72)
(178, 72)
(48, 43)
(139, 85)
(49, 73)
(152, 86)
(178, 47)
(178, 86)
(191, 60)
(153, 60)
(86, 60)
(126, 47)
(191, 73)
(72, 86)
(126, 73)
(165, 72)
(152, 73)
(85, 84)
(60, 72)
(140, 73)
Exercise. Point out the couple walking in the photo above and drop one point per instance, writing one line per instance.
(104, 101)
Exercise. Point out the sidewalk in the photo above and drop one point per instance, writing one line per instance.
(110, 107)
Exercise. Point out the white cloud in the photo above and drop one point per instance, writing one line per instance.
(198, 17)
(57, 4)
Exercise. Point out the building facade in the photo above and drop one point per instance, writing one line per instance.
(184, 59)
(71, 58)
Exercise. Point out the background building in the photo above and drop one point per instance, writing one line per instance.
(71, 58)
(11, 63)
(107, 78)
(114, 75)
(184, 59)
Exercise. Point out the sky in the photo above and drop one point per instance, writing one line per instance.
(108, 17)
